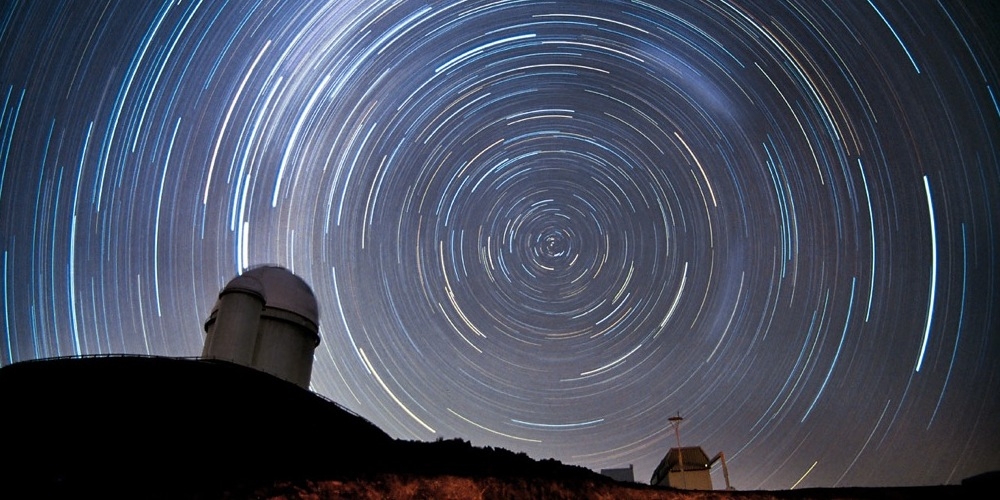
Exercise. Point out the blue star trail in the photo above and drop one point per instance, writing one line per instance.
(545, 226)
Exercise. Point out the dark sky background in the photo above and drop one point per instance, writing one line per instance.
(546, 226)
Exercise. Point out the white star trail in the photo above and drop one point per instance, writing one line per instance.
(543, 226)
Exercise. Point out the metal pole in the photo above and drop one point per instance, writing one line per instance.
(676, 422)
(725, 470)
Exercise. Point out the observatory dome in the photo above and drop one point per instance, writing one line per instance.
(266, 318)
(279, 288)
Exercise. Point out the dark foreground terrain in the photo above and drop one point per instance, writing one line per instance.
(148, 427)
(455, 487)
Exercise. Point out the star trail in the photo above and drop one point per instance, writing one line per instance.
(545, 226)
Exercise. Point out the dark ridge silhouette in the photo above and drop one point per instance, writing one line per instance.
(190, 424)
(154, 427)
(80, 421)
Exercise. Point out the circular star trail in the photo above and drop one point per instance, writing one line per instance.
(546, 226)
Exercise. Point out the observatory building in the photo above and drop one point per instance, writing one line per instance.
(687, 467)
(266, 318)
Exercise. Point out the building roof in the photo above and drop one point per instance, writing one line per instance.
(279, 288)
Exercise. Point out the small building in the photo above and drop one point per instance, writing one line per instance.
(687, 468)
(266, 318)
(624, 474)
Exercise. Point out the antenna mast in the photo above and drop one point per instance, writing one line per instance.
(675, 421)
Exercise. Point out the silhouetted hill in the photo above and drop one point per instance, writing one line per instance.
(164, 427)
(108, 420)
(199, 424)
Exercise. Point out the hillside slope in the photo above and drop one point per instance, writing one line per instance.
(186, 428)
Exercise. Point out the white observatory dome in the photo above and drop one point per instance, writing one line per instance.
(279, 288)
(266, 318)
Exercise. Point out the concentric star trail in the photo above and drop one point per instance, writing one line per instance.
(545, 226)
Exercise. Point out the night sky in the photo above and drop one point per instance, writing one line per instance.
(546, 226)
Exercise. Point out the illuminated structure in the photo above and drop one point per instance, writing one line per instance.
(693, 474)
(266, 318)
(687, 467)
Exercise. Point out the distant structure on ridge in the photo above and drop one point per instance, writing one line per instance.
(268, 319)
(622, 475)
(688, 467)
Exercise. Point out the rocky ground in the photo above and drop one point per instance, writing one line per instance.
(452, 487)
